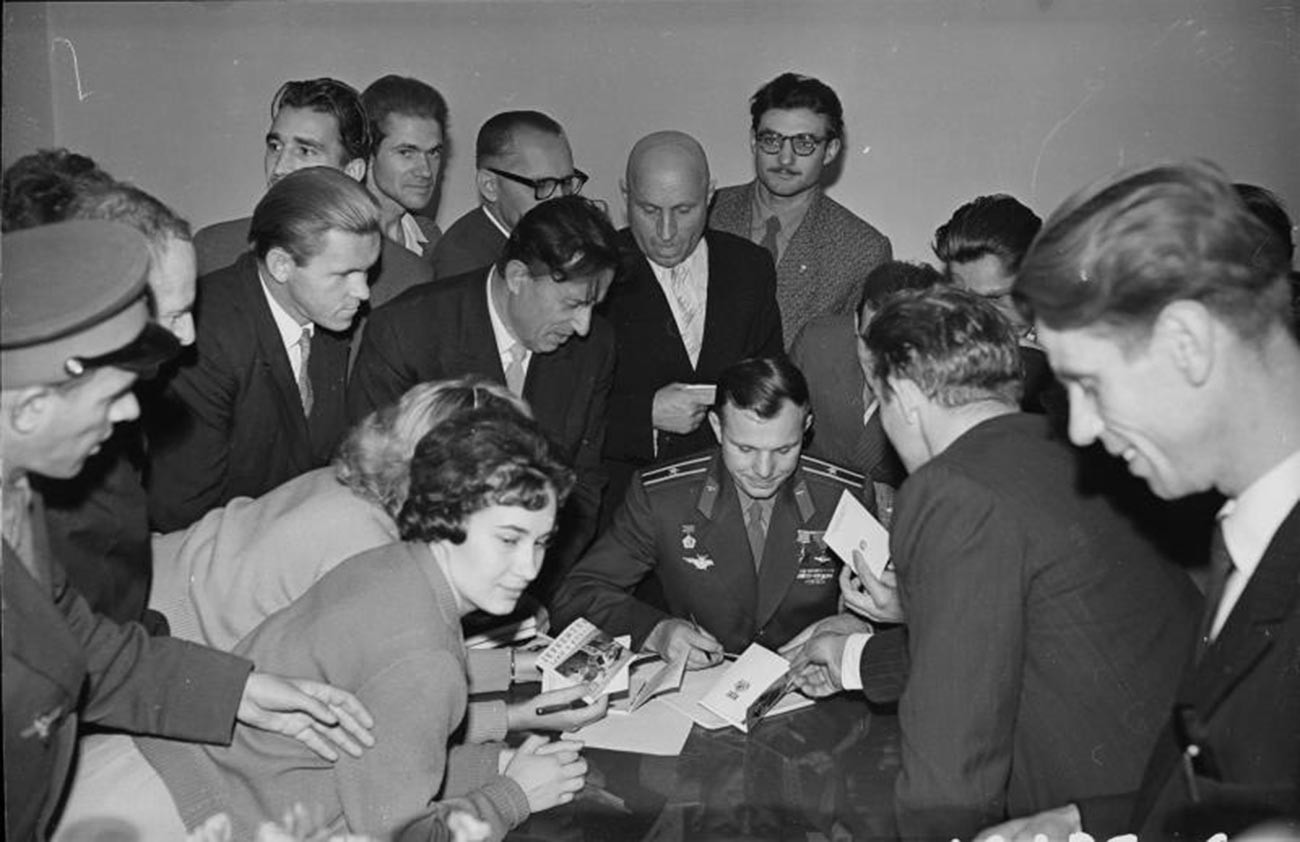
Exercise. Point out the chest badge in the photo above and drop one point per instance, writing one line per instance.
(699, 562)
(688, 536)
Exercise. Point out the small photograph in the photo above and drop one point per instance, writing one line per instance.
(593, 660)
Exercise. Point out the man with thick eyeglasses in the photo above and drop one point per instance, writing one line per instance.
(821, 249)
(523, 158)
(315, 123)
(408, 121)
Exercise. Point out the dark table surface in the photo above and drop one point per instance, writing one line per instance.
(821, 773)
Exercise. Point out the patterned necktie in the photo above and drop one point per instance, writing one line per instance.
(515, 370)
(688, 300)
(769, 237)
(1221, 569)
(757, 535)
(304, 376)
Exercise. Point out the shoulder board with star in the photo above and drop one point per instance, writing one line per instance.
(690, 467)
(829, 470)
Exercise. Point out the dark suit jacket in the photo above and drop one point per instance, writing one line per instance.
(444, 330)
(1244, 698)
(217, 246)
(741, 320)
(99, 527)
(825, 262)
(471, 243)
(826, 350)
(1045, 633)
(64, 664)
(683, 523)
(230, 422)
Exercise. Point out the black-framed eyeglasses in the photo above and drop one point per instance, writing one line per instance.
(803, 144)
(544, 188)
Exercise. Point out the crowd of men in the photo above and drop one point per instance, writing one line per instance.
(718, 373)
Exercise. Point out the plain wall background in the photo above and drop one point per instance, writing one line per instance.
(944, 99)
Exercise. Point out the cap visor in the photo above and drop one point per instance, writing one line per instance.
(154, 346)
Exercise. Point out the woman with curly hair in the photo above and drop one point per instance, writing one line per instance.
(242, 562)
(484, 489)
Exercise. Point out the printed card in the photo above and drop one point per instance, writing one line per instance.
(853, 528)
(749, 688)
(584, 654)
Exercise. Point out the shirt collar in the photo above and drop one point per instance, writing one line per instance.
(505, 232)
(412, 236)
(765, 506)
(504, 338)
(287, 326)
(1250, 521)
(697, 263)
(791, 214)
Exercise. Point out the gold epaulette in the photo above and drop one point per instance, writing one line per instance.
(693, 466)
(829, 470)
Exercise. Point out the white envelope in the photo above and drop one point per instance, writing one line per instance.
(853, 528)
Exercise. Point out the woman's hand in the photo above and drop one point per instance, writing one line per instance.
(530, 715)
(550, 773)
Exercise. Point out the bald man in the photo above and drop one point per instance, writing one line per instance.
(689, 303)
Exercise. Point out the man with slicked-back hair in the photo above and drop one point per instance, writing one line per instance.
(262, 398)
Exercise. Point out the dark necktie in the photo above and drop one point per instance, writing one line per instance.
(304, 376)
(1221, 569)
(769, 237)
(757, 535)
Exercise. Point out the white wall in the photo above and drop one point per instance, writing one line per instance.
(944, 99)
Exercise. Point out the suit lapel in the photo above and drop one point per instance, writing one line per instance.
(714, 313)
(275, 358)
(721, 532)
(650, 300)
(781, 553)
(549, 385)
(802, 249)
(1250, 630)
(477, 349)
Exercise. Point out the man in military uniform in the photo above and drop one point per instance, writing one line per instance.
(734, 536)
(73, 338)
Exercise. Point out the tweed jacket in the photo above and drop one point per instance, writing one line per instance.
(822, 268)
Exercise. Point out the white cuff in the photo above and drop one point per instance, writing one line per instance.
(851, 660)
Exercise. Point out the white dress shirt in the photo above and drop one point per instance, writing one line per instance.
(504, 338)
(1249, 523)
(696, 265)
(290, 330)
(412, 237)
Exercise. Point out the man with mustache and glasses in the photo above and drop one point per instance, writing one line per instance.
(821, 249)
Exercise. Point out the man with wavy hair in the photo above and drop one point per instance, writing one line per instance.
(1163, 305)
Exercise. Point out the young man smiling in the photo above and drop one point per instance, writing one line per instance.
(408, 125)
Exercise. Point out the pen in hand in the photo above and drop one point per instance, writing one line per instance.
(547, 710)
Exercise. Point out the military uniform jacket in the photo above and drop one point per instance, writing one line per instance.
(683, 523)
(64, 664)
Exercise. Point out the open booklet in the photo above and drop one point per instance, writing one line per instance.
(758, 684)
(740, 693)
